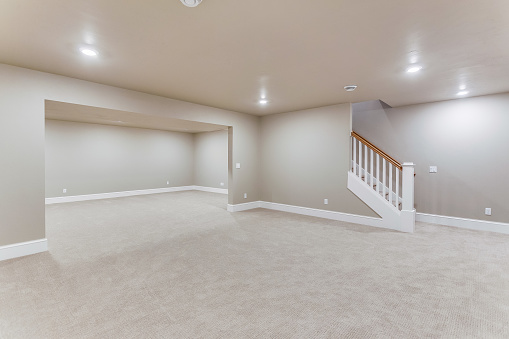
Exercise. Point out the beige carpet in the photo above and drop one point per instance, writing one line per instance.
(178, 265)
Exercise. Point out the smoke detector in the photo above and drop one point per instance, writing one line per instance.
(191, 3)
(350, 88)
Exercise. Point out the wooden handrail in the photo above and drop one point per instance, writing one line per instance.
(378, 150)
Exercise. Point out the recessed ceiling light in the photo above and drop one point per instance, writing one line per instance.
(88, 51)
(462, 93)
(413, 69)
(263, 101)
(350, 88)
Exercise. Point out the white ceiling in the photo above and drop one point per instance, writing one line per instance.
(300, 53)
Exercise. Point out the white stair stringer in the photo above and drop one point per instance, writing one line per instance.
(391, 217)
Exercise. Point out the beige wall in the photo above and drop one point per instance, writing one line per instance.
(21, 159)
(467, 139)
(90, 158)
(296, 158)
(22, 140)
(305, 159)
(211, 159)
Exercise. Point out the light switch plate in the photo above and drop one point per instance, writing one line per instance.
(433, 169)
(237, 165)
(487, 211)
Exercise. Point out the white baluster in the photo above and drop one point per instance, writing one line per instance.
(384, 176)
(371, 167)
(360, 160)
(390, 183)
(366, 164)
(354, 143)
(377, 182)
(397, 187)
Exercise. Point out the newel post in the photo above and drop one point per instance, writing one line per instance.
(407, 195)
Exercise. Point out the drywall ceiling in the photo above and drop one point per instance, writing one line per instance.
(300, 54)
(56, 110)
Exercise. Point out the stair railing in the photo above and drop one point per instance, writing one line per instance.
(392, 180)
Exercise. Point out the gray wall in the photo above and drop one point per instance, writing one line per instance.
(22, 140)
(211, 159)
(466, 138)
(90, 158)
(305, 159)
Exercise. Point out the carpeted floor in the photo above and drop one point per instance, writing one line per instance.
(178, 265)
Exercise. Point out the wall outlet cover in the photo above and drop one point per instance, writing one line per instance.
(487, 211)
(433, 169)
(237, 165)
(245, 195)
(326, 201)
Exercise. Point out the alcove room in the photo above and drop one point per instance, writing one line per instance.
(95, 154)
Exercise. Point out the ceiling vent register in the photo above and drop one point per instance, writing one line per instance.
(191, 3)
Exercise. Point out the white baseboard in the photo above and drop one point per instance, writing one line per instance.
(314, 212)
(98, 196)
(211, 189)
(243, 207)
(23, 248)
(332, 215)
(471, 224)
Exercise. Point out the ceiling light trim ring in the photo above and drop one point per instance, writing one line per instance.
(89, 51)
(414, 69)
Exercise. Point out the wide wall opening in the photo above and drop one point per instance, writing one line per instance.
(95, 153)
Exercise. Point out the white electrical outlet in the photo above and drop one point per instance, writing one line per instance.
(245, 195)
(64, 190)
(433, 169)
(237, 165)
(487, 211)
(325, 201)
(222, 184)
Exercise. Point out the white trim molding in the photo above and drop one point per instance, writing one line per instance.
(243, 207)
(210, 189)
(313, 212)
(74, 198)
(332, 215)
(471, 224)
(23, 248)
(390, 216)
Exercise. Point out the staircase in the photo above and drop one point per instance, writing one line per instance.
(384, 184)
